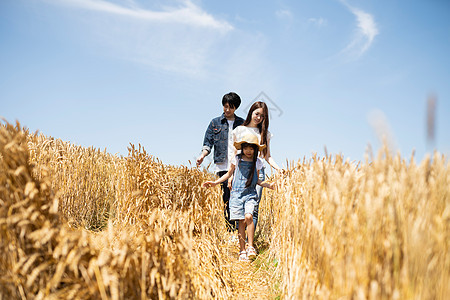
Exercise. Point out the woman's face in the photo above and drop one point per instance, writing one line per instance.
(257, 116)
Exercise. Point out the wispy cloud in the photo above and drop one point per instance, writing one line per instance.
(365, 34)
(188, 13)
(319, 22)
(285, 16)
(180, 38)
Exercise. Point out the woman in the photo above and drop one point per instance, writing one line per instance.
(257, 122)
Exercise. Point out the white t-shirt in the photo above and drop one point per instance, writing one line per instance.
(240, 131)
(224, 166)
(259, 162)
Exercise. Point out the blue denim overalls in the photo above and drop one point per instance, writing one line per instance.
(243, 200)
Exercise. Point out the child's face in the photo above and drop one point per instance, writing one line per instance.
(257, 115)
(248, 151)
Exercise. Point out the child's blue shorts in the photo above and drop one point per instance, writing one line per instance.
(242, 202)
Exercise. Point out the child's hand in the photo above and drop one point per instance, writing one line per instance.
(230, 181)
(208, 184)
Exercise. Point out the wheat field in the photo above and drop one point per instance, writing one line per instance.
(80, 223)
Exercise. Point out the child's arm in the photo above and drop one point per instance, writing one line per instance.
(266, 184)
(227, 175)
(230, 182)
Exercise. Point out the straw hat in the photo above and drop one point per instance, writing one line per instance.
(249, 139)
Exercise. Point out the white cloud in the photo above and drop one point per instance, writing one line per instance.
(159, 41)
(180, 39)
(319, 22)
(365, 34)
(247, 68)
(286, 17)
(284, 14)
(188, 14)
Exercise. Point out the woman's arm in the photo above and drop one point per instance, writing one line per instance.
(270, 159)
(266, 184)
(221, 179)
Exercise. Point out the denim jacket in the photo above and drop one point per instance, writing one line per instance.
(217, 136)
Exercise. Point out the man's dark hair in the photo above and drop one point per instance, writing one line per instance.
(232, 99)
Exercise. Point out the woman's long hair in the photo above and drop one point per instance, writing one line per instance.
(255, 157)
(263, 126)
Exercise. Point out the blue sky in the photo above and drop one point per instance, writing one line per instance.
(340, 74)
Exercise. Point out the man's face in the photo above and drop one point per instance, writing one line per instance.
(228, 111)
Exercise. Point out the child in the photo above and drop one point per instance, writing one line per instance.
(245, 169)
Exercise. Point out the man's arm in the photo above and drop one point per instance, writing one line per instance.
(207, 144)
(202, 156)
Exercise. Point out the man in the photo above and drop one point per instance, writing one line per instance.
(218, 136)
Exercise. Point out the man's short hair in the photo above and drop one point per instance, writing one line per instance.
(232, 99)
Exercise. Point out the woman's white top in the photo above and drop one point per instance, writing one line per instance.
(240, 131)
(259, 162)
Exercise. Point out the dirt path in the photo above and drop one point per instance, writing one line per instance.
(253, 279)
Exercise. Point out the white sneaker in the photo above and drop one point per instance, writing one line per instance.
(243, 256)
(251, 253)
